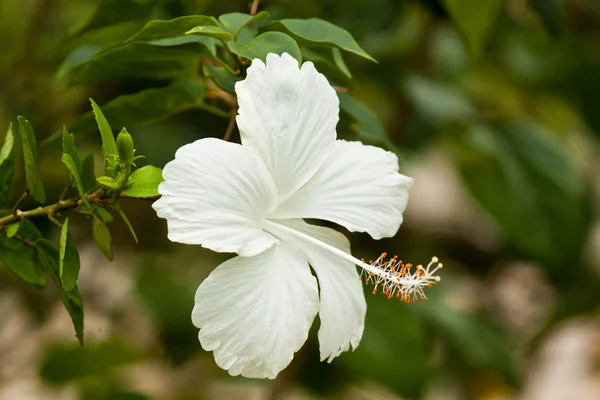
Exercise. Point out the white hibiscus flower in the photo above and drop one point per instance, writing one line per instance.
(254, 311)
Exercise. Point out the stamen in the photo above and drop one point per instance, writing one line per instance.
(392, 277)
(403, 281)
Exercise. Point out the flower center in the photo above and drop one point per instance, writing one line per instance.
(395, 278)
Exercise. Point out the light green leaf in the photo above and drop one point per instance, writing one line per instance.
(221, 76)
(49, 257)
(211, 31)
(102, 237)
(109, 145)
(69, 259)
(366, 123)
(143, 182)
(13, 228)
(243, 26)
(268, 42)
(21, 260)
(474, 19)
(171, 28)
(88, 177)
(108, 182)
(32, 176)
(68, 147)
(122, 214)
(316, 32)
(7, 165)
(72, 168)
(150, 105)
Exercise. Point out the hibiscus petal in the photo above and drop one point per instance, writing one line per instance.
(359, 187)
(288, 115)
(255, 312)
(343, 306)
(216, 194)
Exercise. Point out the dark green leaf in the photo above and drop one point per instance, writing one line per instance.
(474, 340)
(88, 178)
(316, 32)
(69, 259)
(67, 363)
(329, 62)
(12, 229)
(122, 214)
(524, 178)
(68, 147)
(111, 12)
(211, 31)
(21, 260)
(149, 105)
(7, 165)
(74, 173)
(48, 255)
(385, 341)
(172, 28)
(102, 237)
(474, 19)
(109, 145)
(32, 176)
(221, 76)
(143, 182)
(163, 58)
(366, 123)
(268, 42)
(551, 13)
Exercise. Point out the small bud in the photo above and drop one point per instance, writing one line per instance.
(125, 147)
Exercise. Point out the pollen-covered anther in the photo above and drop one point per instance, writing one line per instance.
(403, 281)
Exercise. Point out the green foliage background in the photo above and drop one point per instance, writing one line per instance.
(501, 95)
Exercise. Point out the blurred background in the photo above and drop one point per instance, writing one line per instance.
(497, 118)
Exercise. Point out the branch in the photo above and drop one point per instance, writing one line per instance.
(254, 7)
(51, 209)
(231, 125)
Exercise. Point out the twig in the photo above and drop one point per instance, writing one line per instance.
(231, 125)
(64, 192)
(254, 7)
(340, 89)
(51, 209)
(18, 203)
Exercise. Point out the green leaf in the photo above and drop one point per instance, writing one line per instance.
(74, 173)
(522, 175)
(221, 76)
(88, 177)
(122, 214)
(316, 32)
(143, 182)
(268, 42)
(474, 340)
(32, 176)
(109, 145)
(329, 61)
(21, 260)
(211, 31)
(163, 58)
(149, 105)
(102, 237)
(243, 26)
(63, 364)
(12, 229)
(68, 147)
(7, 165)
(48, 256)
(171, 28)
(366, 123)
(112, 12)
(551, 13)
(108, 182)
(69, 259)
(474, 19)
